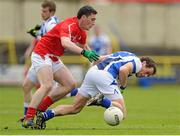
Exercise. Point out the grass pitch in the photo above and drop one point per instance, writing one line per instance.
(154, 110)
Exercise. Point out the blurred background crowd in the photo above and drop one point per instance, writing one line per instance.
(144, 27)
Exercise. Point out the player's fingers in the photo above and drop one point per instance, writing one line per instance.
(95, 58)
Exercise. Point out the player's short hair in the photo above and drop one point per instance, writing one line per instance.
(150, 63)
(86, 10)
(50, 4)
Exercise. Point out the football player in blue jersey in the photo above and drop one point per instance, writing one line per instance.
(49, 21)
(104, 83)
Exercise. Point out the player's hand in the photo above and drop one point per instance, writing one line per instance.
(37, 27)
(34, 31)
(122, 89)
(91, 55)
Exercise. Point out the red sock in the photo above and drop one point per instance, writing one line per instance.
(31, 112)
(47, 101)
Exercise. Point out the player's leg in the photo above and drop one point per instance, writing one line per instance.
(44, 71)
(45, 77)
(85, 91)
(81, 98)
(29, 82)
(27, 87)
(79, 103)
(61, 110)
(67, 83)
(109, 93)
(73, 92)
(107, 101)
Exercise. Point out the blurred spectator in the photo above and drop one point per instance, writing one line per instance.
(100, 42)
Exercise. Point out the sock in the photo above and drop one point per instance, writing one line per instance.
(106, 102)
(47, 101)
(31, 112)
(74, 91)
(26, 105)
(48, 114)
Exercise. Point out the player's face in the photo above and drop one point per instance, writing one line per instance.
(145, 72)
(88, 22)
(45, 13)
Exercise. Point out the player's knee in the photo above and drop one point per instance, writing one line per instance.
(76, 111)
(27, 87)
(47, 86)
(71, 85)
(24, 87)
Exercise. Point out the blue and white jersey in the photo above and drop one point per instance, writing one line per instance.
(114, 61)
(48, 25)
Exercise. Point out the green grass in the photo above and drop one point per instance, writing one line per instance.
(154, 110)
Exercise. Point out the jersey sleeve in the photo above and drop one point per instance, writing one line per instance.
(137, 65)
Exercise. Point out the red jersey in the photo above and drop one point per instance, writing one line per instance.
(50, 43)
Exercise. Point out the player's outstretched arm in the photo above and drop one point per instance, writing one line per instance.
(72, 47)
(124, 71)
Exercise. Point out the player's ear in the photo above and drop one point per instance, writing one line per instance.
(83, 17)
(144, 63)
(52, 13)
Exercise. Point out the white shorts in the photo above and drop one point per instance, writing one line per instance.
(100, 81)
(31, 75)
(38, 62)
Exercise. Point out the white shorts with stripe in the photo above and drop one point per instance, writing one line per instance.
(100, 81)
(38, 62)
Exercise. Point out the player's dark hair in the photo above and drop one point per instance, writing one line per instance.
(86, 10)
(50, 4)
(149, 63)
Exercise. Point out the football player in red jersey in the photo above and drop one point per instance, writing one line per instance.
(49, 20)
(64, 36)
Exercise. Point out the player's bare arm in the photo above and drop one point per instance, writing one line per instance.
(86, 47)
(70, 46)
(124, 71)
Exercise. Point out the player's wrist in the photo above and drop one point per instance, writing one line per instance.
(83, 52)
(122, 87)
